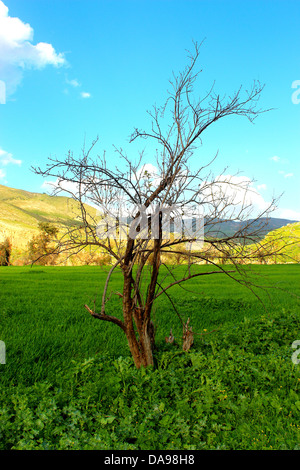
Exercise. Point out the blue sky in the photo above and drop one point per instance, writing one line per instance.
(76, 69)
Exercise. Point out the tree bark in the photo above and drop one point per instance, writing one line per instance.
(141, 341)
(139, 329)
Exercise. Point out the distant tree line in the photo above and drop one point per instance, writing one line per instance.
(42, 250)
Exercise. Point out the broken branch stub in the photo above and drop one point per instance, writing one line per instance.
(188, 336)
(170, 338)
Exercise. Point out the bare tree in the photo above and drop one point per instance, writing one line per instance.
(136, 238)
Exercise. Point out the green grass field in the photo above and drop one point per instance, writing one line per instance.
(69, 381)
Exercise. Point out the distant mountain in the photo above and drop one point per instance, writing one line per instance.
(229, 228)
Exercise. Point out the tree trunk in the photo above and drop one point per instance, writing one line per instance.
(139, 328)
(141, 342)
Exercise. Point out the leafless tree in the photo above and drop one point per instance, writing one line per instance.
(132, 190)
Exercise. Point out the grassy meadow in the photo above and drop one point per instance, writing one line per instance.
(69, 381)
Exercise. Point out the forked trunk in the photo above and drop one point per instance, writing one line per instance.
(139, 327)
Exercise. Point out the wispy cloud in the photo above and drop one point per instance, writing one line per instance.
(74, 82)
(285, 175)
(2, 174)
(17, 51)
(85, 94)
(262, 186)
(235, 192)
(288, 214)
(275, 158)
(7, 158)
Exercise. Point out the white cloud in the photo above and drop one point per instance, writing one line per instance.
(2, 174)
(147, 170)
(74, 82)
(288, 214)
(232, 193)
(262, 186)
(84, 94)
(285, 175)
(18, 53)
(275, 158)
(7, 158)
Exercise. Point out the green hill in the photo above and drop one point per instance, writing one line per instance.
(286, 238)
(21, 211)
